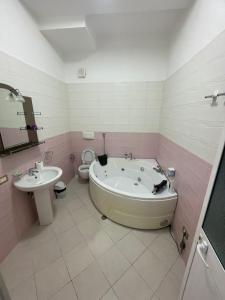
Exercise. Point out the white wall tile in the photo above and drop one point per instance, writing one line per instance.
(132, 107)
(187, 119)
(49, 95)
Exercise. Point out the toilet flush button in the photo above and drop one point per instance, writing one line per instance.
(88, 135)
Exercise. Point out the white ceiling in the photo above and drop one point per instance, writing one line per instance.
(69, 42)
(72, 26)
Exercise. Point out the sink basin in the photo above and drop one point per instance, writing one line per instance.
(39, 183)
(46, 177)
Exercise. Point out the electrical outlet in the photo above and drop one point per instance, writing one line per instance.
(185, 233)
(3, 179)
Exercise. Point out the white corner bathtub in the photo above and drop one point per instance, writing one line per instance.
(122, 191)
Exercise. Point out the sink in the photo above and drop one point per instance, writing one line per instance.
(45, 178)
(39, 183)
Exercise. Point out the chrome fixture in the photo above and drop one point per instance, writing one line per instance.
(19, 97)
(48, 156)
(125, 155)
(32, 171)
(128, 155)
(158, 169)
(214, 97)
(15, 96)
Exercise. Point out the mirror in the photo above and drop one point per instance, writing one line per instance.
(18, 130)
(10, 122)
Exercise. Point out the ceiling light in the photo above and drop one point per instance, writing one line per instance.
(10, 97)
(19, 97)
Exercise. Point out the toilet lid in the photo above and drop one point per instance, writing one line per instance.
(88, 156)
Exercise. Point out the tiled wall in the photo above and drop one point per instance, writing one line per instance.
(191, 129)
(49, 96)
(142, 145)
(115, 107)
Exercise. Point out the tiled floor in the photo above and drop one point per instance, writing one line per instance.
(80, 256)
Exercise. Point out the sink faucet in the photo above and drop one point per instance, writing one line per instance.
(130, 155)
(158, 169)
(32, 171)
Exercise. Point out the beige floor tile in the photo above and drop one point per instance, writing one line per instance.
(151, 269)
(69, 239)
(131, 247)
(113, 264)
(92, 237)
(86, 200)
(17, 266)
(51, 279)
(74, 204)
(99, 243)
(165, 249)
(110, 295)
(132, 287)
(165, 232)
(62, 222)
(24, 291)
(83, 193)
(169, 289)
(91, 283)
(146, 236)
(154, 297)
(178, 269)
(115, 231)
(81, 214)
(38, 235)
(45, 254)
(66, 293)
(78, 259)
(89, 227)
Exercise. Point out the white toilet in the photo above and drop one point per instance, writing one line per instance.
(87, 156)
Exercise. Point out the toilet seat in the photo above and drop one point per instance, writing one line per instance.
(87, 156)
(84, 168)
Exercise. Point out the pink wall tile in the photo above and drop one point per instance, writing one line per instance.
(17, 210)
(192, 176)
(142, 145)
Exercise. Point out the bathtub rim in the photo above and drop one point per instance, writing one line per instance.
(141, 197)
(135, 198)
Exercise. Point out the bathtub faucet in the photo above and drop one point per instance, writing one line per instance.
(158, 169)
(32, 171)
(128, 155)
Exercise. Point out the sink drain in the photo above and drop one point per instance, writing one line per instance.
(135, 183)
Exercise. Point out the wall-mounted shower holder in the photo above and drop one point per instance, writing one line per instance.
(214, 97)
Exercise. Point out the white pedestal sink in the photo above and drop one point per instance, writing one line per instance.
(39, 183)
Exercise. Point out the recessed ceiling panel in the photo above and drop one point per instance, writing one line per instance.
(70, 41)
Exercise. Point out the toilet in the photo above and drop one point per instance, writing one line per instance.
(87, 156)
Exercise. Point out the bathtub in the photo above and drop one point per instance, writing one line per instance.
(122, 191)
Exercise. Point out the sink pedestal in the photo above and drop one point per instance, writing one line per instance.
(44, 206)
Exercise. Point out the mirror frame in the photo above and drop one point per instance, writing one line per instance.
(29, 119)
